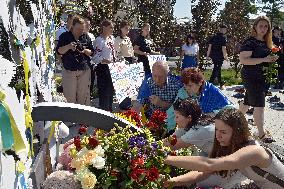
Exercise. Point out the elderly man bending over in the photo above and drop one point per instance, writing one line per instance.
(159, 90)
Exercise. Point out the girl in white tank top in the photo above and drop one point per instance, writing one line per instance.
(232, 151)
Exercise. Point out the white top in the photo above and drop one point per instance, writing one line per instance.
(60, 31)
(123, 47)
(191, 49)
(104, 49)
(233, 181)
(200, 136)
(276, 168)
(92, 38)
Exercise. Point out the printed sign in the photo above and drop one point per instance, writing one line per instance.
(126, 79)
(154, 58)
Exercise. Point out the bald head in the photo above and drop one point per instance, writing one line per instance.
(160, 71)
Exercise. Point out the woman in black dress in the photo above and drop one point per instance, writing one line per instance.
(254, 55)
(143, 47)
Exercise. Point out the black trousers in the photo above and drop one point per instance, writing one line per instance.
(216, 72)
(93, 77)
(105, 87)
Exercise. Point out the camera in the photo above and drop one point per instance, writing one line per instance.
(80, 46)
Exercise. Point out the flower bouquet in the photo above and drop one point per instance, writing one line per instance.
(133, 159)
(121, 158)
(156, 124)
(271, 71)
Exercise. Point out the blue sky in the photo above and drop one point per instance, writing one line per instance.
(182, 8)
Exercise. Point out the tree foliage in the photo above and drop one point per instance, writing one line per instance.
(236, 17)
(203, 23)
(158, 13)
(272, 10)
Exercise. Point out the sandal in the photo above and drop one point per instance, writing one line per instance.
(266, 139)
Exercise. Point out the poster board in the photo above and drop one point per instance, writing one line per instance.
(126, 79)
(154, 58)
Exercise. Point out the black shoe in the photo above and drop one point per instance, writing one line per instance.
(268, 93)
(250, 111)
(274, 99)
(239, 95)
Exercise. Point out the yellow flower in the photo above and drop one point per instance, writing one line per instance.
(73, 152)
(89, 181)
(85, 141)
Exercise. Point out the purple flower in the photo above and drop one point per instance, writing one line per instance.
(154, 145)
(137, 141)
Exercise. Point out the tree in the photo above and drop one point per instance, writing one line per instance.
(160, 16)
(158, 13)
(203, 24)
(236, 17)
(272, 10)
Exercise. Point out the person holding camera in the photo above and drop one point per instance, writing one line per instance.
(76, 48)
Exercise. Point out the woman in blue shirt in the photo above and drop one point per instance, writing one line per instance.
(209, 97)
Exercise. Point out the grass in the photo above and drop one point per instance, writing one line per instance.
(228, 76)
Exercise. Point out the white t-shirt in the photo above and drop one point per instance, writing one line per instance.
(191, 49)
(60, 31)
(104, 49)
(200, 136)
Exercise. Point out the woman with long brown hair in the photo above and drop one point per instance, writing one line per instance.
(104, 55)
(254, 55)
(233, 150)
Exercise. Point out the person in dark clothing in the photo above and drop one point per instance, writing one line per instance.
(76, 49)
(218, 53)
(254, 55)
(142, 47)
(278, 42)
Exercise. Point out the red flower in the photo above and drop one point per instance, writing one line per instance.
(173, 140)
(275, 49)
(152, 174)
(93, 142)
(139, 162)
(82, 130)
(158, 117)
(134, 115)
(152, 125)
(136, 173)
(77, 143)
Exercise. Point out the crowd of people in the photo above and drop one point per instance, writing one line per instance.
(198, 112)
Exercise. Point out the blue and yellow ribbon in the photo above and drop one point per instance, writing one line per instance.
(11, 136)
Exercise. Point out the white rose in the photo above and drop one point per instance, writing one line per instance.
(98, 162)
(100, 151)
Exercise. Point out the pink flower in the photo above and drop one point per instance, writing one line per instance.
(65, 158)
